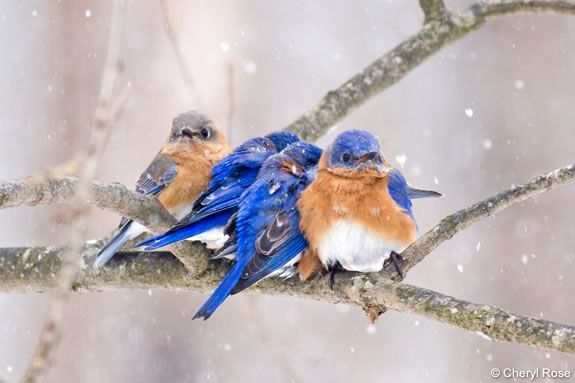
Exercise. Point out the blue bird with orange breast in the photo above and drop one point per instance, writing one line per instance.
(357, 211)
(267, 236)
(230, 178)
(177, 175)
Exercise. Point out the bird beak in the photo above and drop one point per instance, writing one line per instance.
(188, 133)
(374, 160)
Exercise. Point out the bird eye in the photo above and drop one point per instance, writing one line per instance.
(346, 157)
(205, 132)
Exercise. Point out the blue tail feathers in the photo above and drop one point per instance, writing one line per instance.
(222, 291)
(188, 231)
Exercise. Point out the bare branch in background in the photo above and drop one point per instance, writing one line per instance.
(231, 103)
(33, 269)
(172, 32)
(110, 104)
(397, 63)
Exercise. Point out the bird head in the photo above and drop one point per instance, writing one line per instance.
(304, 153)
(194, 127)
(356, 152)
(282, 139)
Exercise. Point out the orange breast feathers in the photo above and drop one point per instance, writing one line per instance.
(361, 197)
(195, 162)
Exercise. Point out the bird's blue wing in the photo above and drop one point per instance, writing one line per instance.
(216, 209)
(230, 177)
(226, 196)
(181, 232)
(161, 172)
(257, 191)
(398, 190)
(249, 155)
(279, 243)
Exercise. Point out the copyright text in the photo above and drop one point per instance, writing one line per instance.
(530, 374)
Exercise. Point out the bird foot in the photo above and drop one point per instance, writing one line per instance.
(397, 261)
(332, 272)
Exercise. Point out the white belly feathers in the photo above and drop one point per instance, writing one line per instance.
(355, 247)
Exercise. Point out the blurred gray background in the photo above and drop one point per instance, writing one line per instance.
(489, 111)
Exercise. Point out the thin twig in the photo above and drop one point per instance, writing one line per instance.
(105, 115)
(461, 220)
(172, 32)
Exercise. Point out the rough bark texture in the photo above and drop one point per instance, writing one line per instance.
(36, 270)
(33, 191)
(146, 210)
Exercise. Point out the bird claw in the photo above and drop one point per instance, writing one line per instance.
(397, 261)
(332, 272)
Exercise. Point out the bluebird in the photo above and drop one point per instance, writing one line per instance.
(230, 177)
(268, 238)
(357, 212)
(177, 175)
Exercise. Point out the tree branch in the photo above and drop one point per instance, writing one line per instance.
(35, 269)
(440, 28)
(115, 197)
(451, 225)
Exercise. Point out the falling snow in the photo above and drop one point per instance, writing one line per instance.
(250, 67)
(401, 159)
(487, 144)
(460, 268)
(88, 13)
(224, 46)
(524, 259)
(469, 112)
